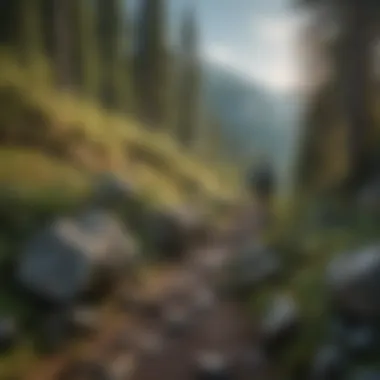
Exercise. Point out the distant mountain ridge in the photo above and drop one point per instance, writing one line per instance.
(254, 120)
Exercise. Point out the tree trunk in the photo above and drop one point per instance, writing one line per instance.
(355, 68)
(63, 51)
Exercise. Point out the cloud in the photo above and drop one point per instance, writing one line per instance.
(274, 30)
(271, 54)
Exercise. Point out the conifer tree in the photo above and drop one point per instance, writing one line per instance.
(112, 38)
(85, 54)
(189, 96)
(151, 64)
(30, 33)
(57, 33)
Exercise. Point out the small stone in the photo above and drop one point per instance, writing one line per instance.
(177, 319)
(85, 320)
(361, 339)
(8, 334)
(366, 374)
(122, 368)
(253, 265)
(164, 235)
(213, 366)
(353, 282)
(280, 323)
(150, 342)
(111, 190)
(204, 300)
(329, 364)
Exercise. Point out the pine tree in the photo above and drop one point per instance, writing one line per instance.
(30, 33)
(9, 22)
(353, 60)
(112, 48)
(189, 97)
(151, 64)
(123, 73)
(58, 38)
(85, 55)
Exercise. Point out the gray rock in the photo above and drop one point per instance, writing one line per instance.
(66, 258)
(353, 281)
(213, 366)
(366, 374)
(280, 323)
(368, 196)
(150, 342)
(329, 363)
(171, 232)
(205, 300)
(8, 334)
(177, 319)
(85, 320)
(355, 337)
(254, 264)
(111, 190)
(164, 235)
(123, 366)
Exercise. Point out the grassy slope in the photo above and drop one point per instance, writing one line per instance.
(119, 136)
(33, 179)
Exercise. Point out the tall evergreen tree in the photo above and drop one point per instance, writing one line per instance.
(123, 72)
(30, 31)
(112, 48)
(353, 58)
(189, 96)
(9, 22)
(151, 64)
(85, 53)
(58, 38)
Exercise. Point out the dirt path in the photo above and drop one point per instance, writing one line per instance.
(224, 328)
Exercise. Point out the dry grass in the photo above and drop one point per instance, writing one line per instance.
(118, 135)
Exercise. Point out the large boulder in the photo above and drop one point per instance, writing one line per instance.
(66, 258)
(353, 281)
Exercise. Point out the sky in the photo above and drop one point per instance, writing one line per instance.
(258, 39)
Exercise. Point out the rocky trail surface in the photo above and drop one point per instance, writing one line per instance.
(149, 344)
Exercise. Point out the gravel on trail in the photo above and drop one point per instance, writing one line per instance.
(222, 329)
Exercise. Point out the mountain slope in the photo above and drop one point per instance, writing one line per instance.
(254, 121)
